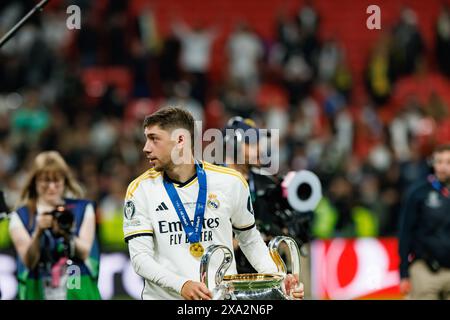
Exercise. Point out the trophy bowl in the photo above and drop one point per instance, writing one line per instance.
(254, 286)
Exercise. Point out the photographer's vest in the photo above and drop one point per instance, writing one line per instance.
(83, 276)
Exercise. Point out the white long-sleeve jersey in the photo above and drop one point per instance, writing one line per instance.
(158, 245)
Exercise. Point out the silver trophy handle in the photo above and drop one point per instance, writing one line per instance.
(294, 251)
(226, 263)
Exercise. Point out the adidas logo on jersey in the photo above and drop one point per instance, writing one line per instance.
(162, 207)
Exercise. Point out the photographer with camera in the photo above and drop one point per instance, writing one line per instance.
(54, 236)
(273, 213)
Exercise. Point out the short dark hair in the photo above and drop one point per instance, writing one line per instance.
(441, 148)
(171, 118)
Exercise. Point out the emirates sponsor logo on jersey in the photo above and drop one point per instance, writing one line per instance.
(176, 234)
(176, 226)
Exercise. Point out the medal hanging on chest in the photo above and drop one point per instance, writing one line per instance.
(196, 249)
(194, 230)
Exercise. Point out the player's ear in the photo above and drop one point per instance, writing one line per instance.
(179, 136)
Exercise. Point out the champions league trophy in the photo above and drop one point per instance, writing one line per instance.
(258, 286)
(251, 286)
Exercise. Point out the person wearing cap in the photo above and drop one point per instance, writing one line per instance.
(242, 149)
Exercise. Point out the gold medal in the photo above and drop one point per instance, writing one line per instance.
(196, 249)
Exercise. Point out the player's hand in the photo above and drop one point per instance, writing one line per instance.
(293, 287)
(193, 290)
(405, 286)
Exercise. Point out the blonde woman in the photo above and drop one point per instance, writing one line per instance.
(53, 232)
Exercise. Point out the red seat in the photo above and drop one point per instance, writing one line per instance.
(96, 81)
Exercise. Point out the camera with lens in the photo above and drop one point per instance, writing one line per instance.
(64, 218)
(286, 206)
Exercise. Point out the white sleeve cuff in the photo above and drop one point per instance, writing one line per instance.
(256, 251)
(141, 254)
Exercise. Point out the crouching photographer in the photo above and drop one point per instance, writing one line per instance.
(54, 235)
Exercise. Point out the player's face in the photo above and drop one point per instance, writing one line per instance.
(441, 165)
(158, 147)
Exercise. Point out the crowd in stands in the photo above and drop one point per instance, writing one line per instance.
(85, 93)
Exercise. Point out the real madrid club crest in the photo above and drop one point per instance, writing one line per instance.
(129, 209)
(213, 203)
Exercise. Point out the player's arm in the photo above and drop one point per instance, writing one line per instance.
(138, 233)
(142, 253)
(249, 238)
(253, 245)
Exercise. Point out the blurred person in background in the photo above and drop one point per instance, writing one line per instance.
(30, 120)
(344, 211)
(424, 239)
(181, 97)
(245, 51)
(328, 59)
(408, 43)
(111, 207)
(273, 214)
(196, 47)
(443, 40)
(54, 235)
(236, 146)
(379, 72)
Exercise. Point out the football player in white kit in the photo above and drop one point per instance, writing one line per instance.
(180, 206)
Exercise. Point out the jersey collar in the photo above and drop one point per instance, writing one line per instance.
(179, 184)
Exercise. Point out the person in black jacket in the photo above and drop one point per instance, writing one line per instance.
(273, 214)
(424, 239)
